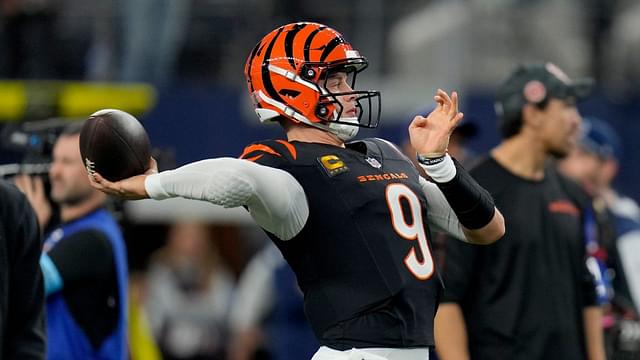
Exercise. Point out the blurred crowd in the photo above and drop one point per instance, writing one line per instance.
(141, 40)
(205, 41)
(191, 301)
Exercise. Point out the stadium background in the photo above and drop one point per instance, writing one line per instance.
(177, 65)
(413, 47)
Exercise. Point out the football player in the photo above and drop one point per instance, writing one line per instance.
(352, 218)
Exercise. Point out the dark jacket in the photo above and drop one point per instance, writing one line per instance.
(22, 320)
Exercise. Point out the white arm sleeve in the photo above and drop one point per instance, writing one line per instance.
(275, 199)
(439, 213)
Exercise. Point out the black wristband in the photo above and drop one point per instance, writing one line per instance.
(472, 204)
(430, 161)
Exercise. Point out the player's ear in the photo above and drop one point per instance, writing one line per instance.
(531, 116)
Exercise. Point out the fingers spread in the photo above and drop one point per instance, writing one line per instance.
(153, 167)
(456, 120)
(439, 101)
(454, 99)
(418, 121)
(93, 182)
(446, 100)
(450, 104)
(98, 181)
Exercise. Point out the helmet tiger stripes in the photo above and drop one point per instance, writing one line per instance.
(286, 71)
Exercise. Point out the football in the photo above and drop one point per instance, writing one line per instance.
(114, 144)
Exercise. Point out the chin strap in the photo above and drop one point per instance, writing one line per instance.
(345, 132)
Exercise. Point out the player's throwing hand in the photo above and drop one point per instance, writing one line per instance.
(430, 135)
(128, 189)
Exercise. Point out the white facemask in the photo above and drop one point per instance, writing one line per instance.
(345, 132)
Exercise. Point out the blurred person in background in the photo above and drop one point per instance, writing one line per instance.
(22, 316)
(189, 295)
(530, 295)
(458, 143)
(268, 312)
(154, 31)
(352, 219)
(594, 164)
(27, 48)
(142, 343)
(84, 261)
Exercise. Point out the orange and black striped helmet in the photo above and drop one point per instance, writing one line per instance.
(285, 69)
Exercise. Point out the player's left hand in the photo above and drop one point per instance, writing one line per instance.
(129, 189)
(430, 135)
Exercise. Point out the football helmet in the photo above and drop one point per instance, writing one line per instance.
(286, 72)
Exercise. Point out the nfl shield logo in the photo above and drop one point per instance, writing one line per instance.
(373, 162)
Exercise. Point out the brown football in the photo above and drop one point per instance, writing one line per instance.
(114, 144)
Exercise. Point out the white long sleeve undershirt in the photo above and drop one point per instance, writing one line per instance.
(275, 199)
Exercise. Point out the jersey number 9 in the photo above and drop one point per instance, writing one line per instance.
(420, 266)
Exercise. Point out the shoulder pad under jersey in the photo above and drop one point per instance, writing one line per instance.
(269, 151)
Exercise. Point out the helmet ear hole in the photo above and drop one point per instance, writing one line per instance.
(322, 111)
(307, 73)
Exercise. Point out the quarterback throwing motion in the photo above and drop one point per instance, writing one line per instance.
(352, 218)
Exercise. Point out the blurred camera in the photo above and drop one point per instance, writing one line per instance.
(33, 143)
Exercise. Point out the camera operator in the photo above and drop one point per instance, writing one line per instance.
(84, 261)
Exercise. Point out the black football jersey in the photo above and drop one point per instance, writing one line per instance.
(363, 259)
